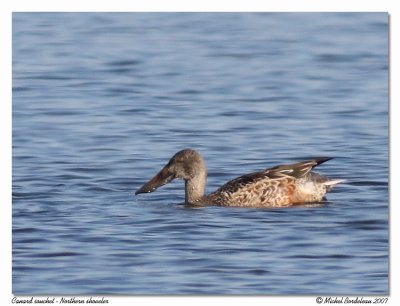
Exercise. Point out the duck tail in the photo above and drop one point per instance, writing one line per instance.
(332, 183)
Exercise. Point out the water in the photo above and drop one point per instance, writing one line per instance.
(102, 101)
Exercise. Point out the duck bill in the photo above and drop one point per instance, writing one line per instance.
(161, 178)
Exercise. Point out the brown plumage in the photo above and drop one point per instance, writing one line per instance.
(282, 185)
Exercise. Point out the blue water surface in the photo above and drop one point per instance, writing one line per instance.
(101, 101)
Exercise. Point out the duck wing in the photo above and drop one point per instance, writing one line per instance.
(296, 170)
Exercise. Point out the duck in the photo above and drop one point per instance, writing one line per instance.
(279, 186)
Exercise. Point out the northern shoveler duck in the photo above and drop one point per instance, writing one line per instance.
(282, 185)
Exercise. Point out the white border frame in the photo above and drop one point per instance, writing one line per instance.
(7, 7)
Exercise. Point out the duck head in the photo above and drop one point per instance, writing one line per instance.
(186, 164)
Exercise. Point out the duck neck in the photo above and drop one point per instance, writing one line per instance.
(195, 188)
